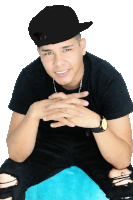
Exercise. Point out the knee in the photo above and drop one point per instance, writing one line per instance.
(117, 172)
(6, 180)
(114, 173)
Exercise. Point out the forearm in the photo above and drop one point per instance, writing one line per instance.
(114, 150)
(22, 141)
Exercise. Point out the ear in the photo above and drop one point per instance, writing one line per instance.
(38, 50)
(83, 46)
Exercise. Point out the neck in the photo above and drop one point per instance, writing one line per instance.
(76, 83)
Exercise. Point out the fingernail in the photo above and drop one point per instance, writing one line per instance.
(73, 125)
(86, 103)
(86, 93)
(49, 97)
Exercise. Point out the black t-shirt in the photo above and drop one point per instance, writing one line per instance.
(108, 93)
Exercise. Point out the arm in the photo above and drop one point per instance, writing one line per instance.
(22, 141)
(115, 144)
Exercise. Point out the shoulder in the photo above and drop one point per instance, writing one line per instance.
(35, 70)
(100, 68)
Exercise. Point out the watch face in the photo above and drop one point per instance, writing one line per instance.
(104, 124)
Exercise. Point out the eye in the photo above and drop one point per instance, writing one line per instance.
(68, 49)
(47, 53)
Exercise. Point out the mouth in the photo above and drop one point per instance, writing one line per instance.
(62, 74)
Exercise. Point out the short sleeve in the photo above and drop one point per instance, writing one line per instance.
(116, 100)
(24, 94)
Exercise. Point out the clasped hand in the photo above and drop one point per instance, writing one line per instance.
(68, 111)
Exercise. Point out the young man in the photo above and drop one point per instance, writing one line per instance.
(101, 141)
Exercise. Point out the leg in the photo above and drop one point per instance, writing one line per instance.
(7, 180)
(10, 198)
(121, 177)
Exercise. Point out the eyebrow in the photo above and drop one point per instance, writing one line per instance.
(45, 50)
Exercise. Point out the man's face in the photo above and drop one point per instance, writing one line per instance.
(67, 55)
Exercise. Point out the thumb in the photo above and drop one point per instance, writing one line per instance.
(59, 95)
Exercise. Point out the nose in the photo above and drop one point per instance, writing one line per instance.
(58, 60)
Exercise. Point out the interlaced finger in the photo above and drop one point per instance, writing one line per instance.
(63, 122)
(62, 116)
(66, 112)
(70, 99)
(65, 103)
(64, 96)
(73, 100)
(68, 123)
(78, 95)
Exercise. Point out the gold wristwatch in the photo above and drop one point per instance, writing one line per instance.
(103, 126)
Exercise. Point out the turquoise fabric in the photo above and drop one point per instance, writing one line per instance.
(70, 184)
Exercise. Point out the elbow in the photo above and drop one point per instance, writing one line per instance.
(126, 162)
(18, 160)
(14, 159)
(124, 165)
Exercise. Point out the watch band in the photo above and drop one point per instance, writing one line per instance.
(98, 129)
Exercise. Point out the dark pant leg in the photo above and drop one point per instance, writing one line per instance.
(88, 157)
(52, 154)
(21, 171)
(47, 159)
